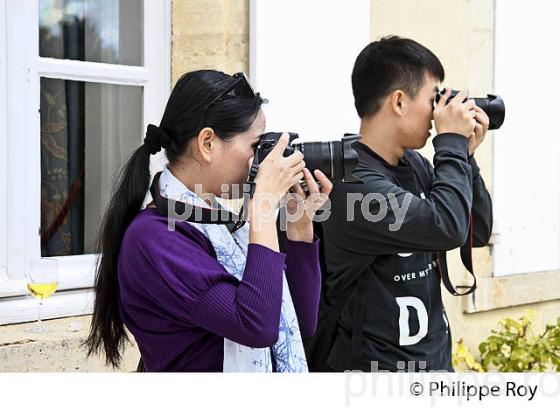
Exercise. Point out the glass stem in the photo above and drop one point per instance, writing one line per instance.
(40, 310)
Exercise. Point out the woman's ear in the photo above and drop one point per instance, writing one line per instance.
(398, 102)
(206, 143)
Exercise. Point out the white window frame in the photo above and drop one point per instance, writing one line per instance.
(20, 71)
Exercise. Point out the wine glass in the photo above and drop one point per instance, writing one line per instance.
(42, 281)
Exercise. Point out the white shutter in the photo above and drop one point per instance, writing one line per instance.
(527, 148)
(3, 143)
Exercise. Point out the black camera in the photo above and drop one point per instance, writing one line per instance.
(492, 105)
(336, 159)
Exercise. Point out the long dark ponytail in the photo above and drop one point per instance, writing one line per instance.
(180, 123)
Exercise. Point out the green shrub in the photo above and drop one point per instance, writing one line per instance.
(513, 348)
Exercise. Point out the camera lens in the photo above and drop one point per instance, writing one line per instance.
(495, 108)
(492, 105)
(336, 159)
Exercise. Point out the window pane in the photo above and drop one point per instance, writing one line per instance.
(103, 31)
(87, 132)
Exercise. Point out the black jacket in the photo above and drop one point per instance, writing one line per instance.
(381, 280)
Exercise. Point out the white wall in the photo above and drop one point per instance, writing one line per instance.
(301, 60)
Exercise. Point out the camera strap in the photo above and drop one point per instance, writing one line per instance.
(252, 175)
(466, 258)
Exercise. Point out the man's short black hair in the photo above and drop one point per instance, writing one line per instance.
(389, 64)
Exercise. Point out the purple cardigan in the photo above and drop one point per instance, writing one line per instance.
(180, 303)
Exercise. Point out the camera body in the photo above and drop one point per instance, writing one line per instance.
(269, 140)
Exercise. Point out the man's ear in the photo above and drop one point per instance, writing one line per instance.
(206, 143)
(398, 103)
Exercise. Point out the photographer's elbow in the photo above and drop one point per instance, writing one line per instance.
(455, 237)
(265, 339)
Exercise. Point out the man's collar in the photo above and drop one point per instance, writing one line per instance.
(402, 161)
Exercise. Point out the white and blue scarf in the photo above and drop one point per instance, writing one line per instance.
(231, 252)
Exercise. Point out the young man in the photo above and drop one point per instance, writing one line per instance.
(385, 240)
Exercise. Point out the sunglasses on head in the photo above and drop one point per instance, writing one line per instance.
(239, 88)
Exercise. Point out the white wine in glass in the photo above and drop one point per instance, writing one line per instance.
(42, 281)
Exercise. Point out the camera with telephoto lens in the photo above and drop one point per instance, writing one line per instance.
(336, 159)
(492, 105)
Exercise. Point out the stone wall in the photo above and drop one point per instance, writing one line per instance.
(210, 34)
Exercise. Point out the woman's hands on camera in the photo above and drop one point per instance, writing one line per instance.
(278, 173)
(301, 208)
(274, 178)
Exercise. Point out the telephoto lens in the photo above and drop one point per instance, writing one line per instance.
(492, 105)
(336, 159)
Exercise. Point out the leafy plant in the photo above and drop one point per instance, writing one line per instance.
(513, 348)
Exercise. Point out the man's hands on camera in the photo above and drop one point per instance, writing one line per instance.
(463, 118)
(457, 117)
(480, 130)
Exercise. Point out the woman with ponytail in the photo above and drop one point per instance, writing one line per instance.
(203, 297)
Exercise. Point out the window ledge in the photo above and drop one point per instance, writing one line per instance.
(513, 290)
(62, 304)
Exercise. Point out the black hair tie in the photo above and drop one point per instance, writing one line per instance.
(156, 139)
